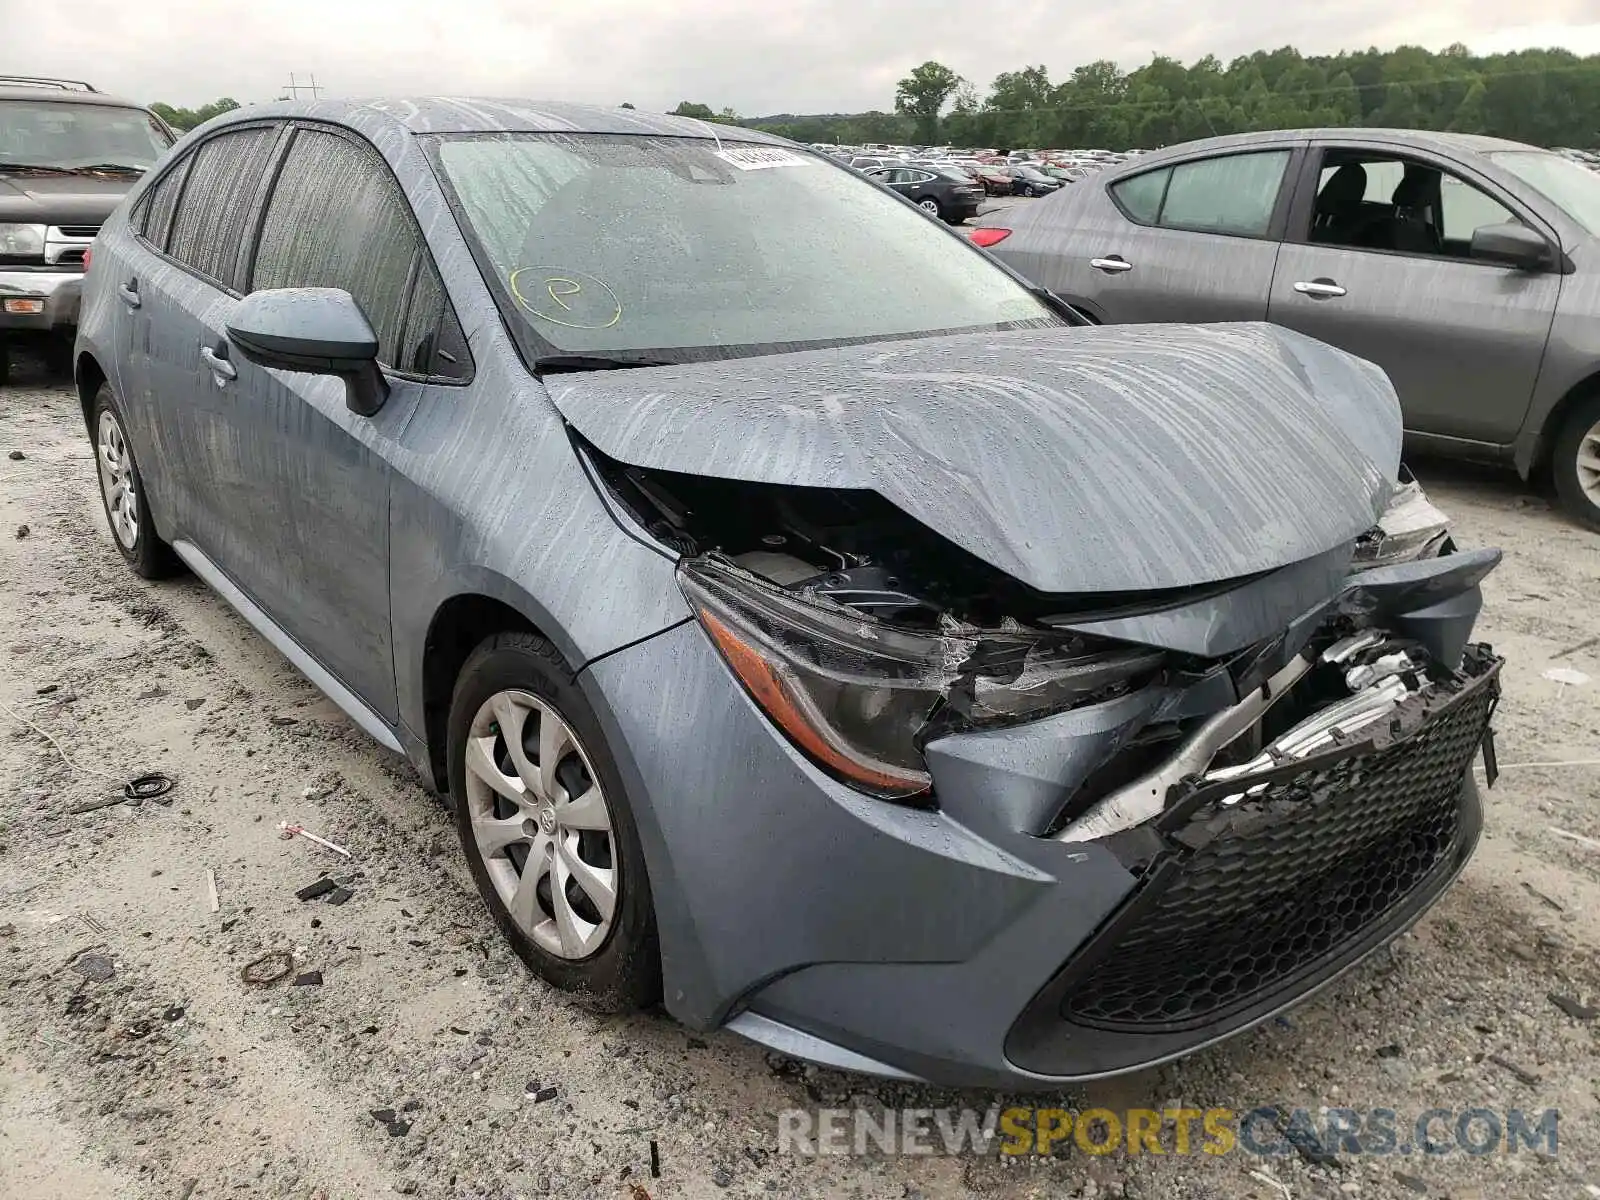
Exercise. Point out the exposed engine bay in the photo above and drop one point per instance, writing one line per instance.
(865, 635)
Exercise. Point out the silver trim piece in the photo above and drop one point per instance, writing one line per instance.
(57, 243)
(1317, 730)
(354, 707)
(796, 1043)
(1146, 796)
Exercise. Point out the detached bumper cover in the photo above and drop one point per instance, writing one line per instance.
(58, 291)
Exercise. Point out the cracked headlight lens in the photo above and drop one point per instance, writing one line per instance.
(857, 695)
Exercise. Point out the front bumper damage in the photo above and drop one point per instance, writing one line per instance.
(1002, 939)
(1254, 886)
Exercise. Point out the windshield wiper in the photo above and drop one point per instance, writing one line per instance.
(18, 166)
(124, 168)
(553, 363)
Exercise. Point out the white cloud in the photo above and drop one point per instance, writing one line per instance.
(798, 56)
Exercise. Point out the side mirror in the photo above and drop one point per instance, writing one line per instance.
(320, 331)
(1510, 243)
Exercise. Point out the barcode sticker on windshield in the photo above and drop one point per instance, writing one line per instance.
(759, 158)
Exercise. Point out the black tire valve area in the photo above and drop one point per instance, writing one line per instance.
(147, 787)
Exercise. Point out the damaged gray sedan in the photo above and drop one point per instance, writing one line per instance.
(812, 626)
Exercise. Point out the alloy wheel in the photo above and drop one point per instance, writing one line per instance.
(1589, 464)
(928, 205)
(117, 482)
(541, 824)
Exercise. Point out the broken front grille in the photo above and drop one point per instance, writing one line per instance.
(1270, 891)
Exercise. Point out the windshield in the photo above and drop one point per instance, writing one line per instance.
(1573, 188)
(610, 245)
(67, 137)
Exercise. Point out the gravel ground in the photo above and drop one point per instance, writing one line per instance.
(135, 1062)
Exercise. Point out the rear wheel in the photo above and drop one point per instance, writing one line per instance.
(1576, 462)
(547, 831)
(122, 492)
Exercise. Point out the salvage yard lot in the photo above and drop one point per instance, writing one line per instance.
(172, 1077)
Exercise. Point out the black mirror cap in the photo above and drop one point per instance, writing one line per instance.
(319, 331)
(1513, 244)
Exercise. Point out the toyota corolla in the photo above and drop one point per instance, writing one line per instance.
(812, 626)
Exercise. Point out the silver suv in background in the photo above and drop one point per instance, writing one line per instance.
(68, 155)
(1468, 268)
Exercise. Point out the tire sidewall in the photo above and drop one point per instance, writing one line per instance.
(625, 973)
(1564, 463)
(146, 555)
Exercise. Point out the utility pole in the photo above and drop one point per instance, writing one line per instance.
(296, 87)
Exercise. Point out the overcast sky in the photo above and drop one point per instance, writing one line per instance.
(759, 58)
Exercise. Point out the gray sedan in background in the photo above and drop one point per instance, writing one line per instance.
(813, 626)
(1468, 268)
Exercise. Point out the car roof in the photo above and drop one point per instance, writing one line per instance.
(65, 96)
(1422, 139)
(471, 114)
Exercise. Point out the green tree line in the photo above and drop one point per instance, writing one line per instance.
(1546, 97)
(185, 119)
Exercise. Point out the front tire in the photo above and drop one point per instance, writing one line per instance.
(547, 830)
(1575, 463)
(122, 492)
(931, 207)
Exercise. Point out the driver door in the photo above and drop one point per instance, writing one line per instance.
(1460, 338)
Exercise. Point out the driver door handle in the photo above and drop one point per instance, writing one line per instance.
(220, 366)
(1115, 265)
(130, 293)
(1320, 289)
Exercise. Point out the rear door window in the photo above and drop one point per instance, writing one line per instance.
(218, 198)
(1234, 194)
(337, 218)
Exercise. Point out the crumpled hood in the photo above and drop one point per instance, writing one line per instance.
(1116, 458)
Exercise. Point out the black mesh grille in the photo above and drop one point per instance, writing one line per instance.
(1286, 879)
(78, 231)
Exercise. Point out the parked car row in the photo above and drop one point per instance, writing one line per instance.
(974, 696)
(1465, 267)
(939, 189)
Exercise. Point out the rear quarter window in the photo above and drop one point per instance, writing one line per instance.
(1140, 196)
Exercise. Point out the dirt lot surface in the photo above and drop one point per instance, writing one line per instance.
(135, 1062)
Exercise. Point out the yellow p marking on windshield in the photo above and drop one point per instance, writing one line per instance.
(558, 288)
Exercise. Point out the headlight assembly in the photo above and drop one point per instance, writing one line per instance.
(1411, 528)
(22, 241)
(858, 696)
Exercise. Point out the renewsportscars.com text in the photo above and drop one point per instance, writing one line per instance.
(1265, 1131)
